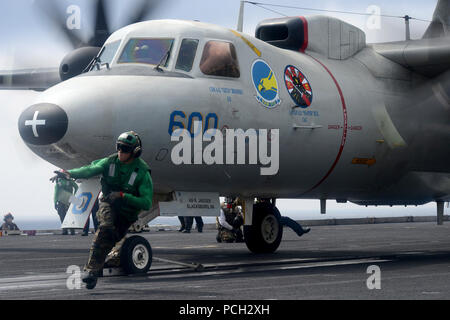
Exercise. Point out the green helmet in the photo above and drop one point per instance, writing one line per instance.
(128, 138)
(129, 142)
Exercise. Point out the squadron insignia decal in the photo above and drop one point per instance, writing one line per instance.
(298, 87)
(265, 84)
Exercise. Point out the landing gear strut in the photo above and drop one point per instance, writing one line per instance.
(266, 231)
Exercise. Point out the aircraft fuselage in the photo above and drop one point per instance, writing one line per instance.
(351, 134)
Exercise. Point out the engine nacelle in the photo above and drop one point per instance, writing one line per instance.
(328, 36)
(76, 61)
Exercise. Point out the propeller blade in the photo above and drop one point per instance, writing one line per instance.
(54, 14)
(101, 32)
(102, 29)
(141, 11)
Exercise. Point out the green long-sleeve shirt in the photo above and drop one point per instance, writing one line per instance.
(63, 190)
(132, 179)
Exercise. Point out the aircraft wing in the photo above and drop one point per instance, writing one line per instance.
(29, 79)
(428, 57)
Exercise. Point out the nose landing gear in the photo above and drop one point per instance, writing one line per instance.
(132, 256)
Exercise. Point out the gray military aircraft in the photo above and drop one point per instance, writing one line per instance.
(343, 119)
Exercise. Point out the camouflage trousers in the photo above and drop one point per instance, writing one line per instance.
(226, 235)
(229, 236)
(112, 228)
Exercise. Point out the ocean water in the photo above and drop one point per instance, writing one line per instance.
(52, 224)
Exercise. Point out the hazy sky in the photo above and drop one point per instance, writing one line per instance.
(28, 39)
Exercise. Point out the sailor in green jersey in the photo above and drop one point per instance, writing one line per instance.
(127, 189)
(64, 189)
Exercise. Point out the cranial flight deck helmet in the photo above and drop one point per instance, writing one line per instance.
(9, 215)
(229, 202)
(129, 142)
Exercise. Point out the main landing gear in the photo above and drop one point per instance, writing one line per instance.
(266, 231)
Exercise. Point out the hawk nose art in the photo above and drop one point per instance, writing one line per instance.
(43, 124)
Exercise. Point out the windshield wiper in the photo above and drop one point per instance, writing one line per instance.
(166, 57)
(95, 61)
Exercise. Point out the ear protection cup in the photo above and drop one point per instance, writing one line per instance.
(138, 150)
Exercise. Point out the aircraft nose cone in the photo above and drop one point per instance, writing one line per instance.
(43, 124)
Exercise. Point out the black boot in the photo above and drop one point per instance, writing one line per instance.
(182, 223)
(90, 278)
(303, 231)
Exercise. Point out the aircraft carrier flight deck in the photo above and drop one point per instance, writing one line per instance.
(411, 260)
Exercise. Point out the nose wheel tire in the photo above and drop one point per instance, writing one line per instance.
(266, 231)
(136, 255)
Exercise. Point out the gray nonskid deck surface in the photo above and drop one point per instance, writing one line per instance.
(328, 263)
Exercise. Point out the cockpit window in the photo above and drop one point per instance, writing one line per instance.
(109, 52)
(187, 54)
(148, 51)
(219, 59)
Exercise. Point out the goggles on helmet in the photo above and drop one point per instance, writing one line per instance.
(124, 148)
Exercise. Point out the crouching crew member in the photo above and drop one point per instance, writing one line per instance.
(230, 222)
(9, 224)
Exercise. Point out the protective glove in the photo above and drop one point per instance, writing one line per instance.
(60, 174)
(113, 197)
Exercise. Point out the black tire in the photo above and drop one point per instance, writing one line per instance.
(136, 255)
(266, 231)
